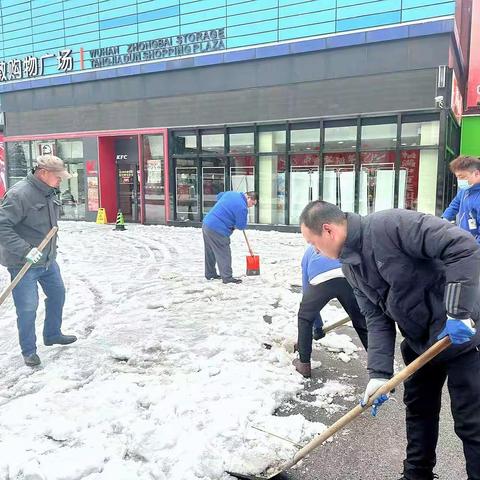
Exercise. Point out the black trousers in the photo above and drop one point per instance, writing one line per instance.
(314, 299)
(422, 398)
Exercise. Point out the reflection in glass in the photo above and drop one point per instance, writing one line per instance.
(343, 139)
(154, 188)
(305, 140)
(241, 143)
(272, 141)
(272, 189)
(420, 134)
(213, 181)
(186, 193)
(184, 144)
(213, 143)
(242, 177)
(19, 161)
(379, 136)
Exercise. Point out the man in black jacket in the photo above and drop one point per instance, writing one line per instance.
(421, 273)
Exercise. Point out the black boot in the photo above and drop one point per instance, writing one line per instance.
(32, 360)
(60, 340)
(232, 280)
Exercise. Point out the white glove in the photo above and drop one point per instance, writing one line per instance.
(373, 385)
(34, 255)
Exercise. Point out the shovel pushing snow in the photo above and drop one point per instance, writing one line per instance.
(400, 377)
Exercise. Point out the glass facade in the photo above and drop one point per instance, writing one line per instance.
(361, 164)
(81, 29)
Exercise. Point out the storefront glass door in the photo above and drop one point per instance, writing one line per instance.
(129, 191)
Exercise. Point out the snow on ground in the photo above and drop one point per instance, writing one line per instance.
(171, 371)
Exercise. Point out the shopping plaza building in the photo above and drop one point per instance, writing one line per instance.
(156, 106)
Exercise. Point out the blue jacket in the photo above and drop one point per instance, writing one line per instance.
(464, 206)
(314, 266)
(229, 213)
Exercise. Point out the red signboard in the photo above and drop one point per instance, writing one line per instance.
(473, 96)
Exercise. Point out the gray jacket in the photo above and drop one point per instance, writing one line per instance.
(28, 211)
(410, 269)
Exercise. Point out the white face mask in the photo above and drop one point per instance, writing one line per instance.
(463, 183)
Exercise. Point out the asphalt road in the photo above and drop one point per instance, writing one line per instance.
(368, 448)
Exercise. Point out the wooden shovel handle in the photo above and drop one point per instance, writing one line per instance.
(248, 243)
(400, 377)
(334, 325)
(27, 265)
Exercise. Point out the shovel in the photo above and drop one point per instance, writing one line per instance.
(253, 261)
(279, 473)
(27, 265)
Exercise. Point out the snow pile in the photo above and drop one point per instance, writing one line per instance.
(341, 344)
(170, 371)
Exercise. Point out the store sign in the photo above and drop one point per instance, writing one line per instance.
(473, 95)
(158, 49)
(457, 99)
(32, 67)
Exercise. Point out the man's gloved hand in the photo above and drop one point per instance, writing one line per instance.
(34, 255)
(459, 331)
(373, 385)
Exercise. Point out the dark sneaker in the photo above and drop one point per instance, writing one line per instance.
(318, 333)
(215, 277)
(304, 369)
(32, 360)
(60, 340)
(433, 477)
(232, 280)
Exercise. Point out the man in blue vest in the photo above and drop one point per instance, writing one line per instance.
(322, 280)
(465, 207)
(229, 213)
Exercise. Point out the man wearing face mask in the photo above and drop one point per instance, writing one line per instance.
(465, 207)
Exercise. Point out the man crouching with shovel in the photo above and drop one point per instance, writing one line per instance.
(421, 273)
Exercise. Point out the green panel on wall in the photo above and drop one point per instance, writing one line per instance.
(470, 136)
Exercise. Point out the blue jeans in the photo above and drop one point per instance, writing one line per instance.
(25, 297)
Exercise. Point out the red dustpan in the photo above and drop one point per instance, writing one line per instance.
(253, 261)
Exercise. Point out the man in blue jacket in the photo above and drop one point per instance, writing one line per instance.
(465, 207)
(322, 280)
(229, 213)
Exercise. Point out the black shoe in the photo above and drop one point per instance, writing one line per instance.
(215, 277)
(232, 280)
(32, 360)
(59, 340)
(318, 333)
(433, 477)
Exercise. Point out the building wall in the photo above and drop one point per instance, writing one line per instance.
(362, 79)
(39, 27)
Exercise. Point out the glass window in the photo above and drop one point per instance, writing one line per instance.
(376, 137)
(242, 177)
(185, 144)
(340, 138)
(213, 143)
(304, 180)
(187, 197)
(417, 134)
(43, 147)
(339, 179)
(377, 181)
(19, 161)
(305, 140)
(272, 189)
(274, 141)
(241, 143)
(153, 176)
(73, 195)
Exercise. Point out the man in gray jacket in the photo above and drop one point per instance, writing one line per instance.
(28, 212)
(421, 273)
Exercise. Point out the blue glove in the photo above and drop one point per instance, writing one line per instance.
(459, 331)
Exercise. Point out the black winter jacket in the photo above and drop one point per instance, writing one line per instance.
(411, 269)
